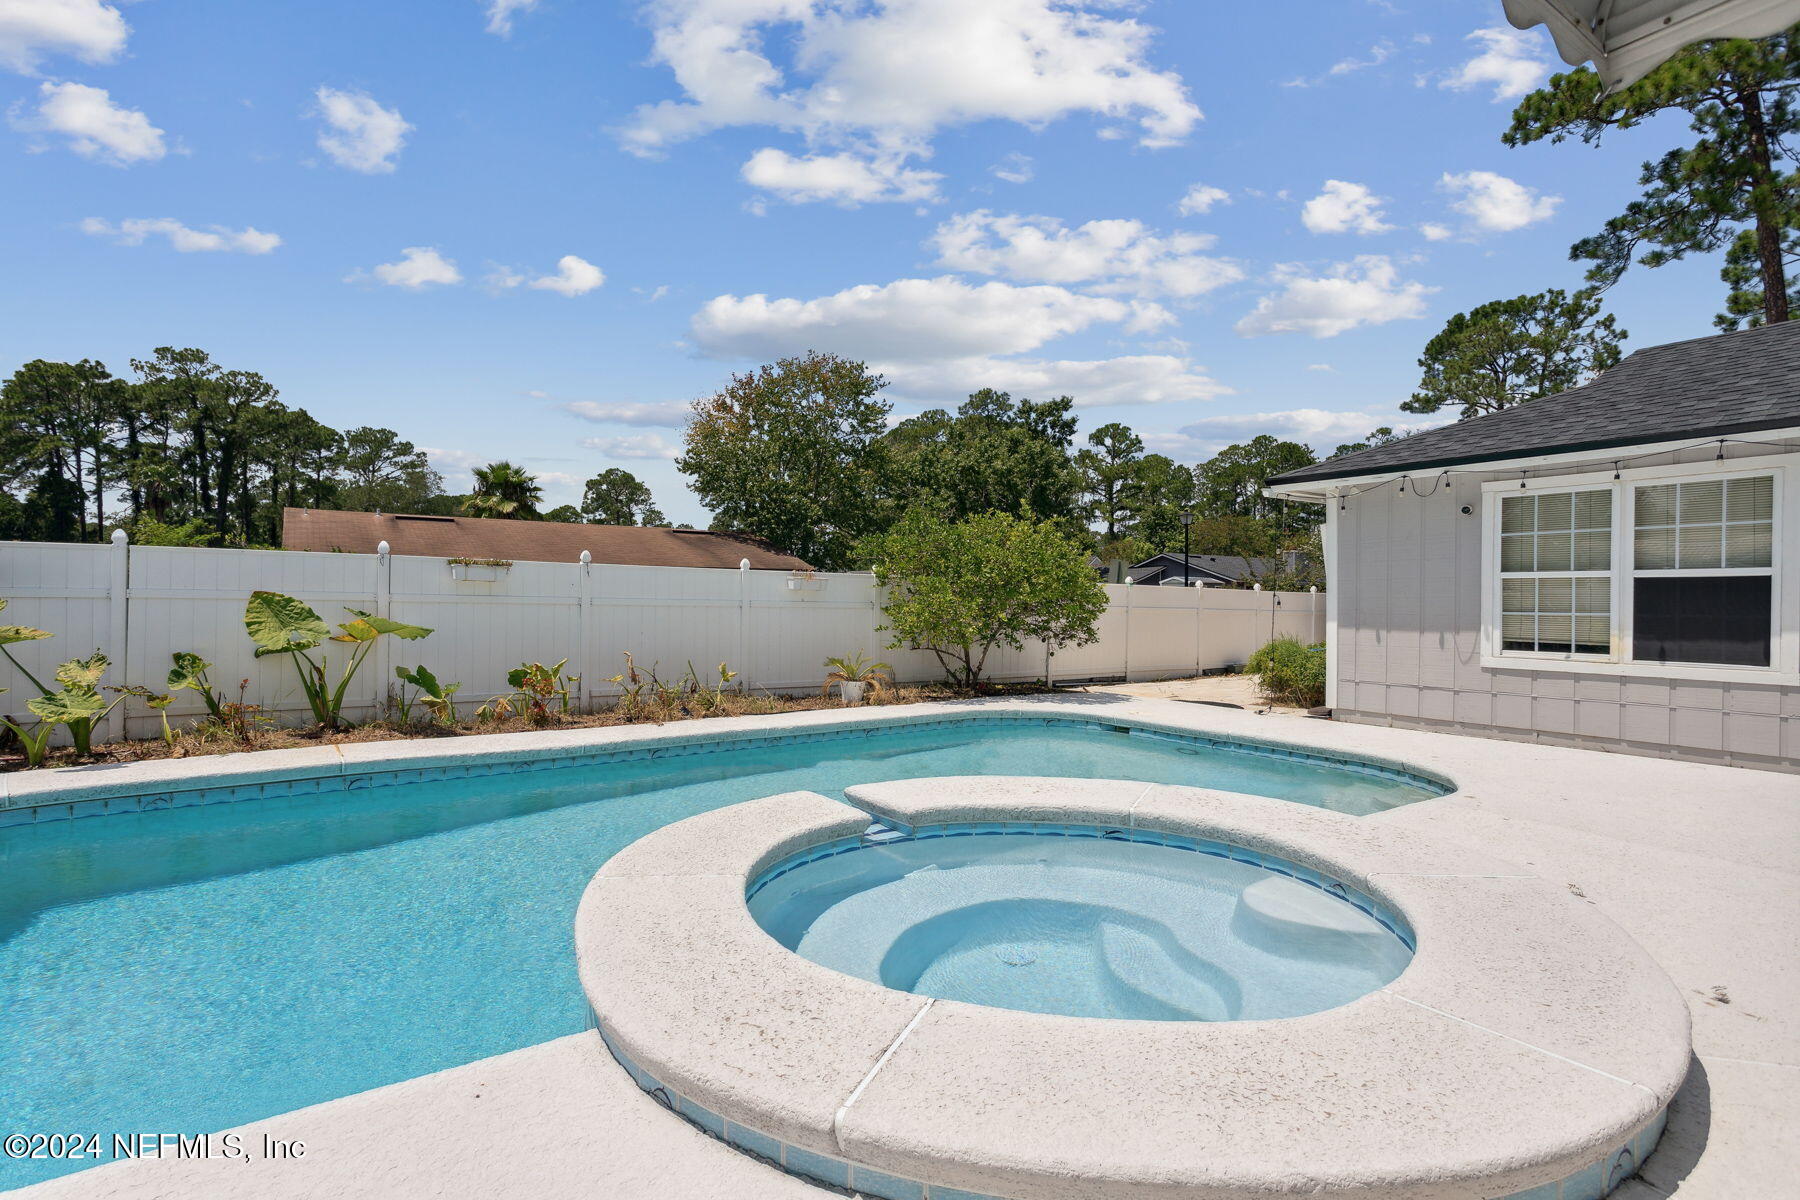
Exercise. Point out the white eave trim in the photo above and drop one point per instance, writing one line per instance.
(1318, 491)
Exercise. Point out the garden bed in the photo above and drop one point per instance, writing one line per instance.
(203, 740)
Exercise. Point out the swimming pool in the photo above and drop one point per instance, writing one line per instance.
(1079, 921)
(196, 968)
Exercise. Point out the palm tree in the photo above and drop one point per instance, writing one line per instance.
(503, 490)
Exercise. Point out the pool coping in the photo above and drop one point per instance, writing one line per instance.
(87, 789)
(1473, 1078)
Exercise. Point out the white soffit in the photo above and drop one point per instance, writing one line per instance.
(1627, 39)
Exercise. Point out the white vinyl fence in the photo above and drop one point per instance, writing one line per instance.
(140, 604)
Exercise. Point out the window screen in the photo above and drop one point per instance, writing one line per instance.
(1696, 539)
(1546, 540)
(1702, 619)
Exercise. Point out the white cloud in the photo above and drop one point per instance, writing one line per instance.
(1114, 256)
(1201, 198)
(1379, 53)
(95, 127)
(895, 73)
(1320, 367)
(636, 445)
(939, 339)
(31, 30)
(1094, 383)
(846, 179)
(1014, 168)
(1367, 290)
(1434, 232)
(419, 267)
(1495, 204)
(664, 414)
(134, 231)
(574, 277)
(1319, 428)
(500, 14)
(360, 134)
(909, 320)
(1511, 62)
(1344, 208)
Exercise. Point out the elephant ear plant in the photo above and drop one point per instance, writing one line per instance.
(280, 624)
(189, 673)
(434, 697)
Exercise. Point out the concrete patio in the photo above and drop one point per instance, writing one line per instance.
(1700, 864)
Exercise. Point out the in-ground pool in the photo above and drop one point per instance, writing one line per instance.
(1080, 922)
(195, 968)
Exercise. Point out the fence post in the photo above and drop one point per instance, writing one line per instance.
(384, 600)
(584, 600)
(744, 626)
(118, 586)
(1199, 613)
(1128, 586)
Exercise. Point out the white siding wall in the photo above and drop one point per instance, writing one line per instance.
(1408, 584)
(776, 632)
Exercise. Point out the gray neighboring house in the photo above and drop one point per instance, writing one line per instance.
(1616, 567)
(1200, 570)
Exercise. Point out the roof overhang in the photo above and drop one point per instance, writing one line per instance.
(1627, 39)
(1318, 491)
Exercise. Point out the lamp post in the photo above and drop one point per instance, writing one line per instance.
(1187, 522)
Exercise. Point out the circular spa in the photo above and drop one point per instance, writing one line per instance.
(1009, 988)
(1081, 921)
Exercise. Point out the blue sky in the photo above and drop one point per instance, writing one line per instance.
(535, 230)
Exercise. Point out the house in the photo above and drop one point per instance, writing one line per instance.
(530, 541)
(1216, 570)
(1614, 567)
(1200, 570)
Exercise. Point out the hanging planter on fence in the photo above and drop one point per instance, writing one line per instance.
(478, 570)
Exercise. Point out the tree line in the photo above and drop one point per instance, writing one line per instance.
(185, 451)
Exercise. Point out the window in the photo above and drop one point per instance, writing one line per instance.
(1703, 578)
(1675, 571)
(1555, 568)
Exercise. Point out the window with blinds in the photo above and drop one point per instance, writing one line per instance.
(1703, 557)
(1556, 572)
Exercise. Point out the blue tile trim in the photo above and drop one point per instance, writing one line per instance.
(506, 762)
(1387, 917)
(1605, 1175)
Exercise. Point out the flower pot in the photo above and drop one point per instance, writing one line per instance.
(852, 691)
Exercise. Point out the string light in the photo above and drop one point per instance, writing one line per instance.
(1618, 465)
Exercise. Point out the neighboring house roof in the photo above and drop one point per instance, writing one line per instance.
(1226, 568)
(528, 541)
(1708, 387)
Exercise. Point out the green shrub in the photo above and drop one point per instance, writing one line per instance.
(1289, 672)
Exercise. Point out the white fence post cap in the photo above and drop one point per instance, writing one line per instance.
(1314, 588)
(382, 549)
(743, 564)
(119, 538)
(1256, 587)
(587, 557)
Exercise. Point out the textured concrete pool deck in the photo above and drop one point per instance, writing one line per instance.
(1700, 864)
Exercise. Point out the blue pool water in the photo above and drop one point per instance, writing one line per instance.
(1072, 923)
(191, 969)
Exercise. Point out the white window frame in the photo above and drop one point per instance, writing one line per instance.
(1784, 574)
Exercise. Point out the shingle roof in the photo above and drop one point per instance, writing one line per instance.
(528, 541)
(1712, 386)
(1230, 567)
